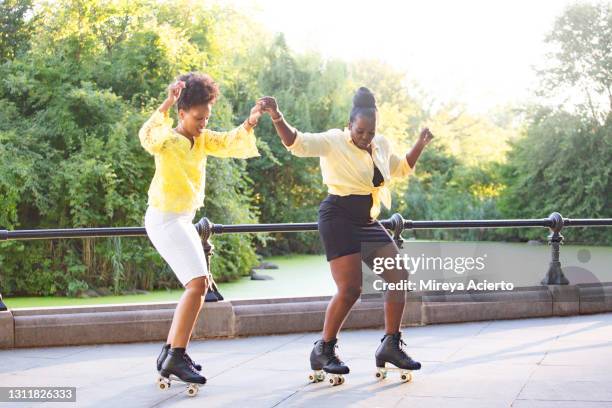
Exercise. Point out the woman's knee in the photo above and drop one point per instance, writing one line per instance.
(198, 285)
(350, 293)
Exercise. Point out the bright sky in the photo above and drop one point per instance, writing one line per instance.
(477, 52)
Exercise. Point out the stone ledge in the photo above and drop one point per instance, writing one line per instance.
(276, 318)
(242, 302)
(127, 307)
(216, 319)
(92, 328)
(63, 326)
(7, 330)
(565, 300)
(595, 297)
(465, 307)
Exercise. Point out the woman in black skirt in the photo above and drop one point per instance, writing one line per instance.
(357, 166)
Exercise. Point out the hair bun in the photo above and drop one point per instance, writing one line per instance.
(364, 98)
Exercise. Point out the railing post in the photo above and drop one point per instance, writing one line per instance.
(555, 275)
(397, 224)
(204, 228)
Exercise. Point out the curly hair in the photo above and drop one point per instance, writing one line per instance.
(200, 89)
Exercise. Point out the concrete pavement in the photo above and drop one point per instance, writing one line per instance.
(543, 362)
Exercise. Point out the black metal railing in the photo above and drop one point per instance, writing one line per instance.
(397, 224)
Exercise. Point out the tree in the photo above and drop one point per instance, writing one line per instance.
(562, 161)
(474, 140)
(561, 164)
(70, 110)
(16, 22)
(582, 57)
(313, 96)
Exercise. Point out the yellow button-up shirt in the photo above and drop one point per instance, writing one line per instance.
(347, 169)
(180, 170)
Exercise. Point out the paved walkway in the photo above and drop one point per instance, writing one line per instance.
(553, 362)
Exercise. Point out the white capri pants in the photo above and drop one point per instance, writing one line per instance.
(177, 241)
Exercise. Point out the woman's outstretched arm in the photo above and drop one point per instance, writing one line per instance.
(283, 129)
(413, 155)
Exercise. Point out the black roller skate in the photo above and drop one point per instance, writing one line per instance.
(391, 351)
(178, 367)
(324, 360)
(164, 352)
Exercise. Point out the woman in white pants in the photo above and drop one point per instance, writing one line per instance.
(175, 194)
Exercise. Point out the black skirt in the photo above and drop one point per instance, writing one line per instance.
(345, 224)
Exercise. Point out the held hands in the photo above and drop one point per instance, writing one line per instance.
(255, 114)
(269, 106)
(283, 129)
(425, 137)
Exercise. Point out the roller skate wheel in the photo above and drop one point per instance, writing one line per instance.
(163, 385)
(192, 390)
(336, 380)
(381, 373)
(406, 377)
(316, 376)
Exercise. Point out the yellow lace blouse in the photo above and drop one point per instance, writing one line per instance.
(180, 170)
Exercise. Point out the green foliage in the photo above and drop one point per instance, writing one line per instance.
(15, 27)
(79, 78)
(445, 189)
(562, 164)
(475, 141)
(70, 111)
(582, 57)
(314, 97)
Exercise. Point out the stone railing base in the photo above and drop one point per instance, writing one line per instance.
(66, 326)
